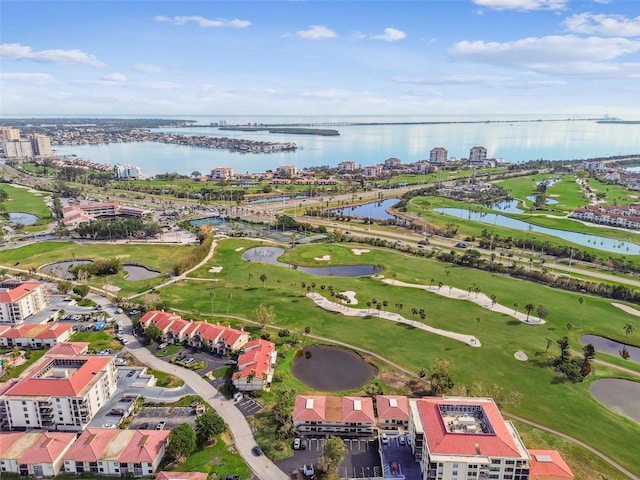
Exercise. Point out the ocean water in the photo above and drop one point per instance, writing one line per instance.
(371, 140)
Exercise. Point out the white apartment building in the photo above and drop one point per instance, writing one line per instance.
(17, 149)
(19, 301)
(462, 438)
(438, 156)
(222, 173)
(126, 172)
(41, 145)
(477, 155)
(60, 392)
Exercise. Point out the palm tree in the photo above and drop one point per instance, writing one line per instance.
(580, 302)
(250, 277)
(515, 307)
(263, 279)
(628, 330)
(549, 343)
(569, 326)
(228, 303)
(212, 295)
(414, 311)
(563, 344)
(528, 307)
(493, 300)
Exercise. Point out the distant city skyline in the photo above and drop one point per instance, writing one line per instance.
(320, 57)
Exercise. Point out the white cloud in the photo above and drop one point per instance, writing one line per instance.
(34, 78)
(390, 35)
(487, 80)
(148, 68)
(17, 51)
(609, 25)
(552, 49)
(316, 32)
(114, 77)
(523, 5)
(204, 22)
(333, 93)
(164, 85)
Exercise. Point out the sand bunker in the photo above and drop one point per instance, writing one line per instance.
(351, 295)
(239, 249)
(359, 251)
(520, 355)
(111, 288)
(324, 258)
(627, 309)
(215, 269)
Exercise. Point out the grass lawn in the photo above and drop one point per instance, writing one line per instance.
(156, 257)
(97, 340)
(546, 396)
(23, 200)
(15, 372)
(219, 459)
(165, 380)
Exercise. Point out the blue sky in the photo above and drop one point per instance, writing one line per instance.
(337, 57)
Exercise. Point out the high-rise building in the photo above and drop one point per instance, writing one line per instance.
(8, 134)
(17, 149)
(477, 155)
(438, 156)
(41, 145)
(126, 171)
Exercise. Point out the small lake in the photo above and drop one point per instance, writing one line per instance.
(61, 269)
(547, 201)
(593, 241)
(619, 396)
(270, 255)
(138, 272)
(275, 199)
(376, 210)
(21, 218)
(331, 369)
(610, 347)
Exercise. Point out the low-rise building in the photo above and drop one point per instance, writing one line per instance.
(59, 392)
(347, 416)
(19, 301)
(347, 166)
(107, 451)
(548, 465)
(126, 172)
(255, 366)
(38, 454)
(393, 411)
(222, 173)
(76, 214)
(372, 171)
(35, 336)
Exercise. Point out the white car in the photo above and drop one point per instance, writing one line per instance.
(109, 425)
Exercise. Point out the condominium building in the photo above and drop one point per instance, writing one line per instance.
(59, 392)
(17, 149)
(438, 156)
(461, 438)
(36, 454)
(35, 335)
(477, 155)
(222, 173)
(19, 301)
(107, 451)
(347, 166)
(256, 364)
(124, 172)
(349, 416)
(8, 134)
(393, 411)
(287, 170)
(41, 145)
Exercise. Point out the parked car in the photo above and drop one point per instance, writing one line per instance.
(297, 443)
(461, 245)
(160, 426)
(257, 451)
(109, 425)
(144, 426)
(161, 346)
(385, 439)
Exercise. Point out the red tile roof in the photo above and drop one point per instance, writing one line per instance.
(392, 407)
(441, 441)
(357, 410)
(48, 448)
(91, 445)
(145, 446)
(181, 476)
(73, 386)
(256, 359)
(309, 408)
(22, 290)
(68, 348)
(548, 465)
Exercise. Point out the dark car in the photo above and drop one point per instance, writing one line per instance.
(257, 451)
(230, 477)
(461, 245)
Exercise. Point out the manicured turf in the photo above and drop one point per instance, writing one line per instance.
(218, 460)
(23, 200)
(547, 398)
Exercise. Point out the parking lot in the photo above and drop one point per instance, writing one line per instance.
(151, 417)
(248, 406)
(362, 459)
(398, 459)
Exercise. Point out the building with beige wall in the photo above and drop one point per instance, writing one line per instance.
(19, 301)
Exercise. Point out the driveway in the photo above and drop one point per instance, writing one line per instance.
(262, 466)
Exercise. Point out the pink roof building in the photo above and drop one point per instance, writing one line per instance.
(334, 415)
(181, 476)
(255, 366)
(464, 434)
(548, 465)
(34, 453)
(393, 411)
